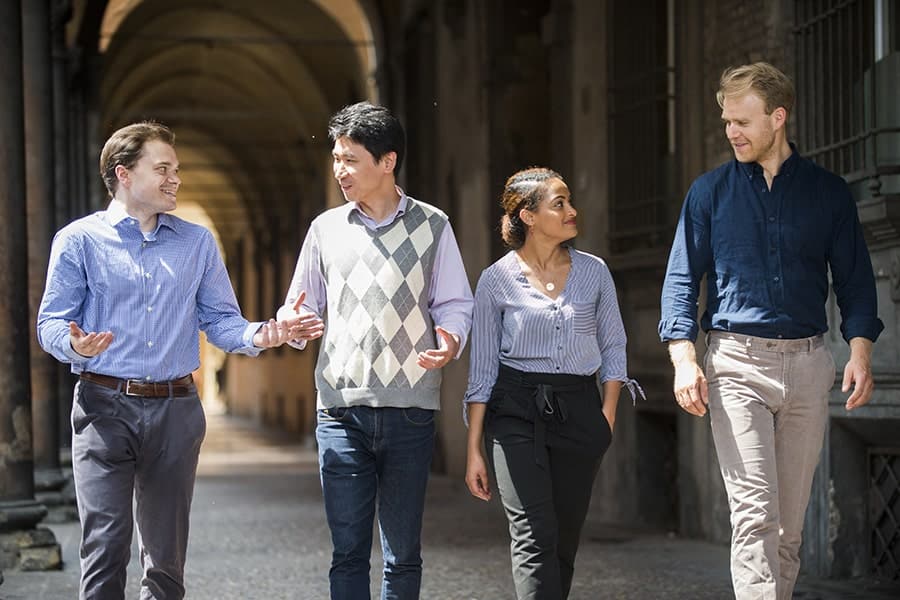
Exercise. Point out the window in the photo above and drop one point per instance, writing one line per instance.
(848, 71)
(642, 125)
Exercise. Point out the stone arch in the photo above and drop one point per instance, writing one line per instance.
(248, 89)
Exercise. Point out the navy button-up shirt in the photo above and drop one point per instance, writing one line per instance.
(766, 254)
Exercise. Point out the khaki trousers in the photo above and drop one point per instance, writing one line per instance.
(768, 406)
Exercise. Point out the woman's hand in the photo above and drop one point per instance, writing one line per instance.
(476, 475)
(610, 413)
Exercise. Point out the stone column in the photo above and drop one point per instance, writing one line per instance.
(61, 13)
(41, 218)
(21, 544)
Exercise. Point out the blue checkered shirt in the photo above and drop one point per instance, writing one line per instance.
(154, 291)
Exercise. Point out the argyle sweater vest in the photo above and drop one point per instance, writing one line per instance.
(378, 284)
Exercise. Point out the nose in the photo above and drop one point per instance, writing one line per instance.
(175, 178)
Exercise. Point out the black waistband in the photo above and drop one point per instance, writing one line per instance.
(559, 381)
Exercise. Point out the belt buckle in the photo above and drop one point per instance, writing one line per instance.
(128, 391)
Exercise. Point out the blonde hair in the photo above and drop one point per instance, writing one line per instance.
(760, 78)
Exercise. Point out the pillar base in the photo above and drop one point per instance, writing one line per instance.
(30, 550)
(20, 515)
(56, 491)
(49, 480)
(61, 507)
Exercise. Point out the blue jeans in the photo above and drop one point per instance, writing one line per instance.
(369, 455)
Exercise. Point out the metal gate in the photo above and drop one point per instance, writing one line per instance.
(884, 511)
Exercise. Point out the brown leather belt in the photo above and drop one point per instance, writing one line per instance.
(183, 386)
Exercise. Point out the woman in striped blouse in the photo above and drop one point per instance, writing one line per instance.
(546, 330)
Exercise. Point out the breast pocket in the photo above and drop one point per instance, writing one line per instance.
(584, 319)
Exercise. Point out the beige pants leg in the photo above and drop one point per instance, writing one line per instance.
(768, 410)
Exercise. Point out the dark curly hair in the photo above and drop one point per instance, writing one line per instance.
(523, 189)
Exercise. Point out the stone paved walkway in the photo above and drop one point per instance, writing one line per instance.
(259, 533)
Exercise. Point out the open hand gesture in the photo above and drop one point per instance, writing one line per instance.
(448, 346)
(88, 344)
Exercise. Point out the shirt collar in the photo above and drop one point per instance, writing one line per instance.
(401, 208)
(786, 168)
(116, 213)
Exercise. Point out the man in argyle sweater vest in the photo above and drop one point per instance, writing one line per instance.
(384, 274)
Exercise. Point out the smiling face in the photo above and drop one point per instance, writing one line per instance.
(361, 177)
(554, 218)
(151, 186)
(754, 135)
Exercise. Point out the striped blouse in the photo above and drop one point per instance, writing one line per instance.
(579, 333)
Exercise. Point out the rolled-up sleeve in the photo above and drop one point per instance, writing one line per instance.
(851, 271)
(689, 259)
(611, 338)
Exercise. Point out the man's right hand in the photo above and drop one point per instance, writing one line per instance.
(303, 326)
(691, 389)
(88, 344)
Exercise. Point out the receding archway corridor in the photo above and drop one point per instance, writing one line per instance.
(618, 97)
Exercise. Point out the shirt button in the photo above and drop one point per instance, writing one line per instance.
(559, 347)
(771, 219)
(777, 278)
(149, 344)
(143, 244)
(557, 326)
(147, 275)
(147, 378)
(772, 250)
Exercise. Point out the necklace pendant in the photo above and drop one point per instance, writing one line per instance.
(550, 287)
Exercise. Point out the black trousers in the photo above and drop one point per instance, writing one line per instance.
(545, 435)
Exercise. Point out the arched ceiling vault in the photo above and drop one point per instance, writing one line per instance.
(248, 88)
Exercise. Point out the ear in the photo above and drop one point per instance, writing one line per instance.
(779, 117)
(390, 161)
(123, 176)
(526, 217)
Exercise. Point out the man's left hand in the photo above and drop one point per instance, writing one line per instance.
(272, 334)
(858, 372)
(448, 346)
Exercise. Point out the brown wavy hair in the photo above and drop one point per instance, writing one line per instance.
(126, 146)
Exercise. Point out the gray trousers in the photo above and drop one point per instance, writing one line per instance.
(545, 436)
(768, 407)
(144, 451)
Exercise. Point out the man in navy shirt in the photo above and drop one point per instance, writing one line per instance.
(765, 229)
